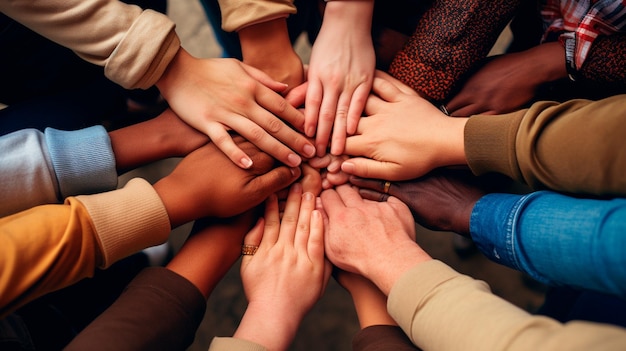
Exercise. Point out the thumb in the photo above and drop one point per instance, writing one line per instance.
(368, 168)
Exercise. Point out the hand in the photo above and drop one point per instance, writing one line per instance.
(442, 200)
(156, 139)
(403, 136)
(218, 95)
(288, 272)
(213, 246)
(340, 73)
(507, 82)
(332, 175)
(206, 183)
(267, 46)
(370, 303)
(362, 236)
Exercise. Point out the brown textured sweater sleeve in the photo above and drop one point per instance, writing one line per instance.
(450, 39)
(159, 310)
(575, 147)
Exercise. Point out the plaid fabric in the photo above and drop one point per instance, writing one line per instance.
(583, 20)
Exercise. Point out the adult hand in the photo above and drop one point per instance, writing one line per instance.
(330, 166)
(206, 183)
(441, 200)
(507, 82)
(218, 95)
(158, 138)
(288, 272)
(403, 136)
(340, 74)
(369, 302)
(361, 236)
(267, 46)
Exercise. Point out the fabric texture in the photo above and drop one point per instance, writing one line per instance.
(421, 301)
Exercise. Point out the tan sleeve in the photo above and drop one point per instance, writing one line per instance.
(576, 147)
(134, 46)
(234, 344)
(237, 14)
(440, 309)
(127, 220)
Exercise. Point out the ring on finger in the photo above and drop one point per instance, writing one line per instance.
(386, 187)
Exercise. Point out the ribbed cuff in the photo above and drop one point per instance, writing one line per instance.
(83, 160)
(127, 220)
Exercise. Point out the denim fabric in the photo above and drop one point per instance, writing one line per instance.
(556, 239)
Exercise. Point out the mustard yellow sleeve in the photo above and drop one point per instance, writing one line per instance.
(49, 247)
(134, 46)
(574, 147)
(440, 309)
(237, 14)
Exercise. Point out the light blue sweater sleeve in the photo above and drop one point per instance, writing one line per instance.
(42, 168)
(556, 239)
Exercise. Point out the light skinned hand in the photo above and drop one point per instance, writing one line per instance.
(369, 302)
(287, 274)
(218, 95)
(508, 82)
(403, 136)
(340, 74)
(267, 46)
(362, 236)
(330, 166)
(206, 183)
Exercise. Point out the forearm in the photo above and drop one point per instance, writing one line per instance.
(237, 14)
(440, 309)
(44, 168)
(604, 65)
(158, 310)
(511, 230)
(107, 33)
(350, 16)
(273, 329)
(554, 146)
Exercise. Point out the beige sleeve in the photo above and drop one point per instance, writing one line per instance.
(237, 14)
(440, 309)
(127, 220)
(234, 344)
(575, 147)
(134, 46)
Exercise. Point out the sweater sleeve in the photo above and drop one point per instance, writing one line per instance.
(234, 344)
(573, 147)
(133, 45)
(173, 306)
(440, 309)
(50, 247)
(237, 14)
(44, 168)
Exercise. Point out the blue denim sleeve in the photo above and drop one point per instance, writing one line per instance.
(83, 160)
(556, 239)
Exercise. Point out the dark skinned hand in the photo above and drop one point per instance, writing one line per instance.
(441, 200)
(206, 183)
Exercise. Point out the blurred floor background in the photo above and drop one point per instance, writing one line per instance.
(332, 322)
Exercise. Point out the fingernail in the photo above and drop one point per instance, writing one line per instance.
(294, 160)
(246, 162)
(309, 150)
(307, 196)
(310, 132)
(347, 167)
(294, 171)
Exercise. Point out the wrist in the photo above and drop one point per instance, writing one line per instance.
(266, 41)
(393, 263)
(265, 325)
(352, 16)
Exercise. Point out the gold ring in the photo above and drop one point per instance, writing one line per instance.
(386, 187)
(248, 249)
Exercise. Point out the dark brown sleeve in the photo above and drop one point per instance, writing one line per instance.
(450, 39)
(382, 337)
(159, 310)
(606, 62)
